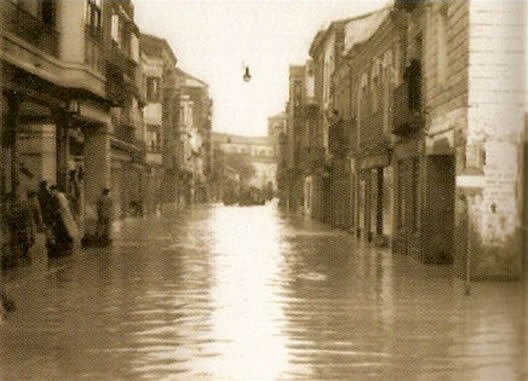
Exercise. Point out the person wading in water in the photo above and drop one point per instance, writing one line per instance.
(104, 216)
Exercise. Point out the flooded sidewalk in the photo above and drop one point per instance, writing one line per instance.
(233, 293)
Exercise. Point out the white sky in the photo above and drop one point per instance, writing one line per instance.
(212, 38)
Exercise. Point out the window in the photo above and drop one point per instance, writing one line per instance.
(297, 92)
(153, 84)
(442, 48)
(94, 18)
(374, 88)
(188, 114)
(114, 31)
(153, 138)
(363, 97)
(48, 9)
(397, 65)
(134, 47)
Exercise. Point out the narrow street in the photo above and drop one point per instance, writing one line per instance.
(233, 293)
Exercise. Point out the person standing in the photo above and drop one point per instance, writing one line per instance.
(46, 203)
(21, 224)
(104, 215)
(34, 208)
(65, 228)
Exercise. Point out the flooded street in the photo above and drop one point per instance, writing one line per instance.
(230, 293)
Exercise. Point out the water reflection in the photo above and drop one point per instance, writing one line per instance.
(247, 261)
(249, 293)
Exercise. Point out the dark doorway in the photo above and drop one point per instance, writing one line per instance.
(439, 213)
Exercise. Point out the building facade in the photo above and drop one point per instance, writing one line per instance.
(124, 81)
(420, 115)
(56, 103)
(195, 139)
(89, 102)
(159, 62)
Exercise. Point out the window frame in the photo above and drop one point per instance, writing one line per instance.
(153, 92)
(94, 11)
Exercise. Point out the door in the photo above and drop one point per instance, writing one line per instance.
(401, 236)
(406, 206)
(439, 246)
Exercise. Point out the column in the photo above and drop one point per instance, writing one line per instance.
(62, 120)
(9, 147)
(97, 170)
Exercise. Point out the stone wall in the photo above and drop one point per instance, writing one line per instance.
(493, 136)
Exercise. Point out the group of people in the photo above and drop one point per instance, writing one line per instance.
(55, 218)
(46, 211)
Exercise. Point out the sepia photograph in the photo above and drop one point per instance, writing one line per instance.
(263, 190)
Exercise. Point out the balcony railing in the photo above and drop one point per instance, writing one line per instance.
(371, 131)
(116, 89)
(118, 58)
(141, 150)
(124, 133)
(342, 137)
(30, 28)
(406, 117)
(130, 117)
(407, 5)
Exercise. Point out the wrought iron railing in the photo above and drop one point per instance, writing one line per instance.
(371, 130)
(405, 118)
(118, 58)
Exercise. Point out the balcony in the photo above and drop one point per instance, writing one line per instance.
(28, 27)
(407, 5)
(116, 89)
(131, 118)
(124, 133)
(407, 118)
(371, 132)
(141, 150)
(117, 57)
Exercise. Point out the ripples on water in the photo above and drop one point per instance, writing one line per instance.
(229, 293)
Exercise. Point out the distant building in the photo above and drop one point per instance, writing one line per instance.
(259, 151)
(159, 63)
(194, 131)
(277, 126)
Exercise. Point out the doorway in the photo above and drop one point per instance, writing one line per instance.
(439, 210)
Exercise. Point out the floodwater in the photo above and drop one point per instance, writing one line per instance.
(246, 293)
